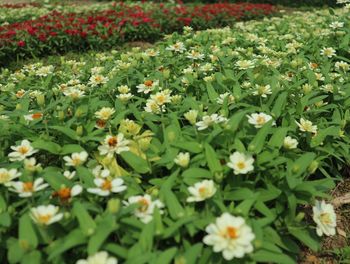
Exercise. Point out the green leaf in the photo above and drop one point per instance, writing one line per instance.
(137, 163)
(279, 104)
(212, 159)
(71, 148)
(193, 147)
(66, 131)
(117, 250)
(147, 236)
(33, 257)
(27, 235)
(266, 256)
(193, 253)
(86, 223)
(166, 256)
(257, 144)
(278, 136)
(304, 236)
(47, 145)
(212, 93)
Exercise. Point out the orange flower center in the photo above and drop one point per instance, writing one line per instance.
(101, 123)
(232, 232)
(37, 115)
(148, 83)
(314, 65)
(27, 187)
(107, 185)
(202, 191)
(64, 193)
(144, 204)
(112, 142)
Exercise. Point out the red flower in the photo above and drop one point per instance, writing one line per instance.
(21, 43)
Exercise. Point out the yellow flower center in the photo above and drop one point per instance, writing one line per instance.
(203, 191)
(76, 161)
(4, 177)
(260, 120)
(241, 165)
(43, 219)
(325, 218)
(23, 150)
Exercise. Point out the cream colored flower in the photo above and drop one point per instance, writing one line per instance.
(290, 143)
(147, 86)
(45, 214)
(195, 55)
(182, 159)
(230, 235)
(26, 189)
(208, 121)
(114, 144)
(105, 113)
(7, 176)
(69, 175)
(262, 90)
(76, 159)
(101, 257)
(191, 116)
(245, 64)
(146, 207)
(306, 126)
(325, 218)
(31, 165)
(328, 52)
(97, 79)
(22, 151)
(106, 186)
(177, 47)
(258, 119)
(201, 191)
(241, 163)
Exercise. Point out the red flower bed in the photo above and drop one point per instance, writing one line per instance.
(61, 32)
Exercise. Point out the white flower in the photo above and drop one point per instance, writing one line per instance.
(195, 55)
(182, 159)
(290, 143)
(74, 93)
(230, 235)
(210, 120)
(258, 119)
(262, 90)
(342, 65)
(101, 257)
(7, 176)
(336, 24)
(306, 126)
(26, 189)
(222, 97)
(99, 172)
(31, 165)
(76, 159)
(177, 47)
(244, 64)
(125, 97)
(147, 86)
(22, 151)
(191, 116)
(146, 207)
(106, 186)
(201, 191)
(97, 79)
(114, 144)
(65, 193)
(328, 52)
(31, 117)
(105, 113)
(46, 214)
(69, 175)
(161, 97)
(325, 218)
(241, 163)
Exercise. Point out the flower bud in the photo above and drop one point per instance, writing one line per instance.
(79, 130)
(61, 115)
(40, 99)
(313, 167)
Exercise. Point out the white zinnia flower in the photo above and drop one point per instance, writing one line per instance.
(182, 159)
(147, 86)
(244, 64)
(7, 176)
(114, 144)
(191, 116)
(177, 47)
(105, 113)
(210, 120)
(230, 235)
(76, 159)
(328, 52)
(97, 79)
(22, 151)
(31, 165)
(195, 55)
(69, 175)
(262, 90)
(290, 143)
(101, 257)
(325, 218)
(107, 186)
(241, 163)
(46, 214)
(146, 207)
(201, 191)
(306, 126)
(258, 119)
(26, 189)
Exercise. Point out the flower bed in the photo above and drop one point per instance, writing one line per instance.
(211, 147)
(61, 31)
